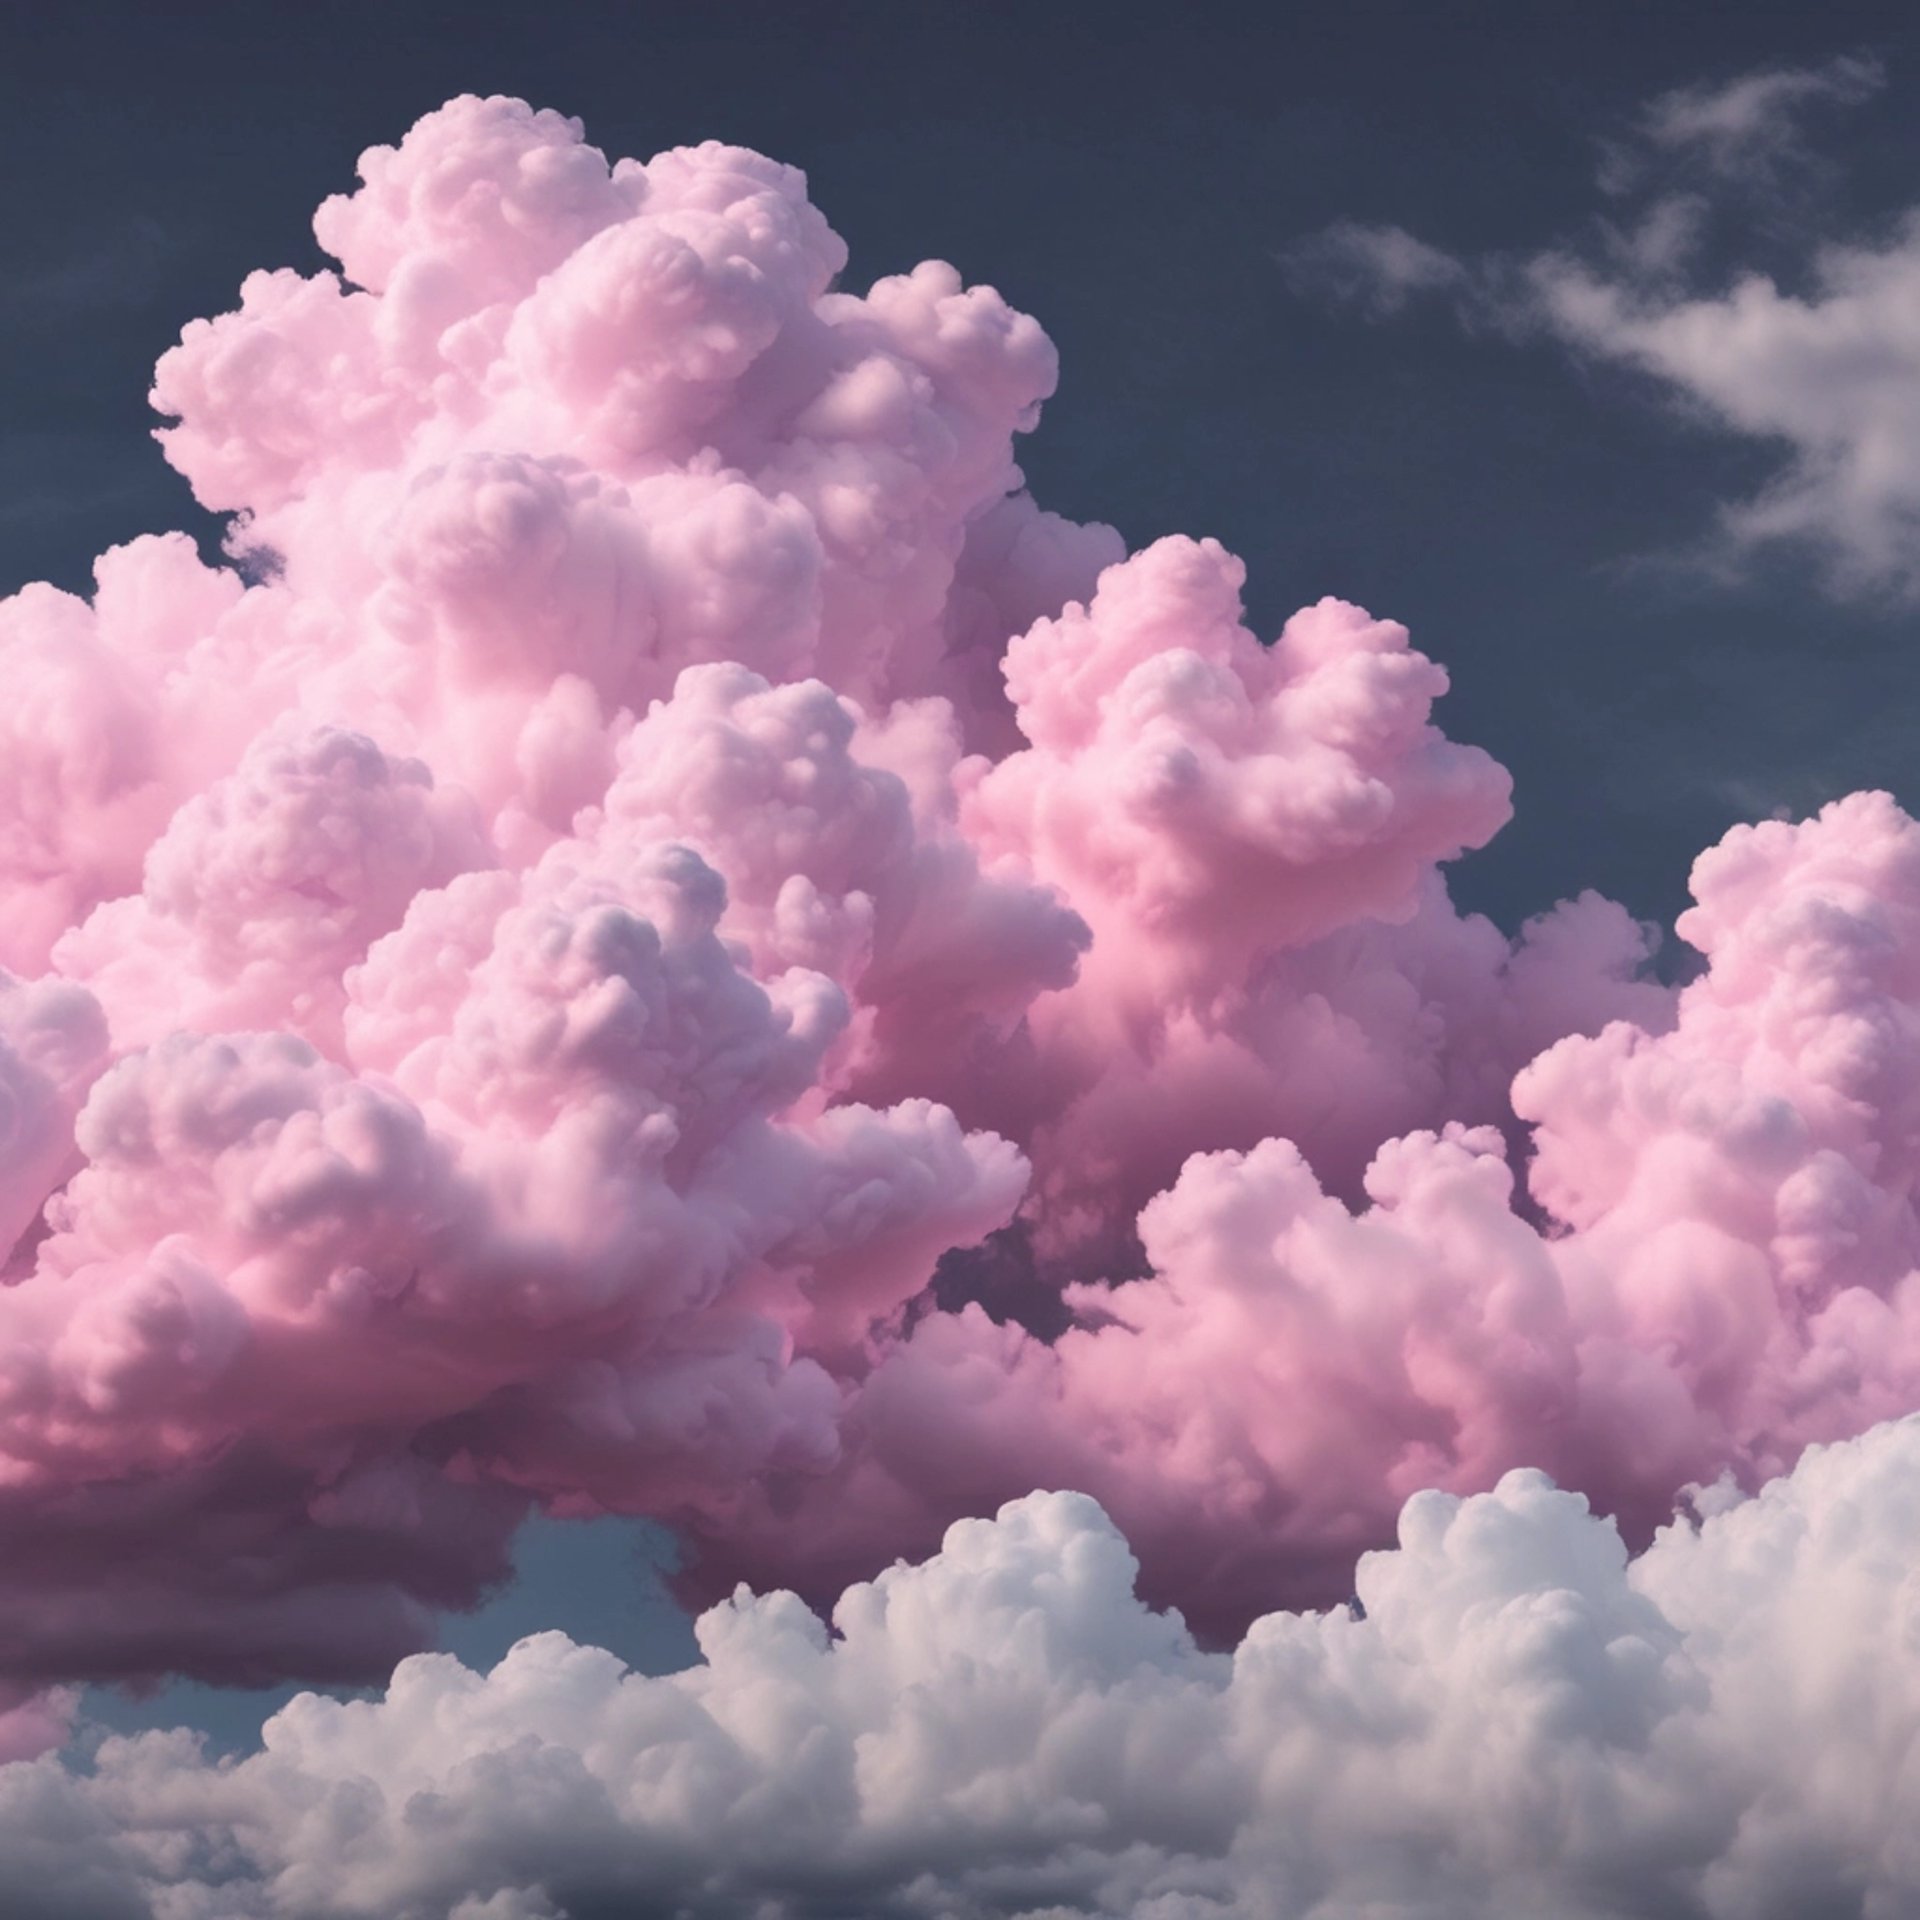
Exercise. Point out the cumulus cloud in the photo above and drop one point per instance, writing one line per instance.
(667, 941)
(403, 1119)
(518, 986)
(1712, 1265)
(684, 948)
(1512, 1717)
(1812, 357)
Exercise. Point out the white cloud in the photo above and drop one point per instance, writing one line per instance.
(1523, 1723)
(1830, 377)
(1822, 368)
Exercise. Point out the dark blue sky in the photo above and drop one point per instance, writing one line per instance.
(1136, 177)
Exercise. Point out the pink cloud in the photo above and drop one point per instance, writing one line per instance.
(520, 1003)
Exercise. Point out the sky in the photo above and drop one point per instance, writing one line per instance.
(1581, 342)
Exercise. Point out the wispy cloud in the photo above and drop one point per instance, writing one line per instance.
(1735, 128)
(1378, 269)
(1817, 358)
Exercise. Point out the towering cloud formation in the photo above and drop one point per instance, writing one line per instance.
(661, 881)
(1515, 1720)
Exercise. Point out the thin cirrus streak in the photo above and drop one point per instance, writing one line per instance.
(663, 872)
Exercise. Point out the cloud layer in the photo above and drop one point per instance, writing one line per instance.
(1514, 1719)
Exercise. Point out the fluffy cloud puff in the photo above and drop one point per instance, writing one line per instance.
(1513, 1718)
(561, 1240)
